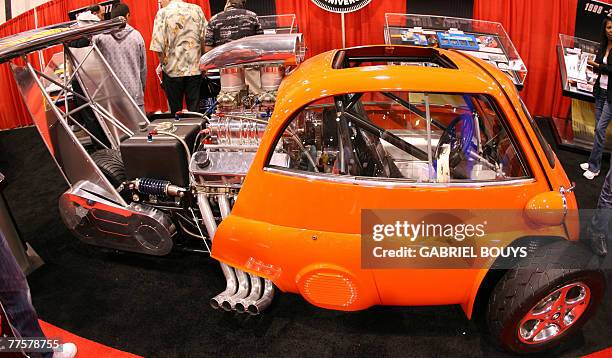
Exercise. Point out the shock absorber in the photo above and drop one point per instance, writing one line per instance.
(158, 187)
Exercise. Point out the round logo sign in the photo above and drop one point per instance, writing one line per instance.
(341, 6)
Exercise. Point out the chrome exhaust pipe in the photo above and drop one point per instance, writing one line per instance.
(228, 271)
(241, 305)
(243, 291)
(218, 301)
(265, 300)
(229, 303)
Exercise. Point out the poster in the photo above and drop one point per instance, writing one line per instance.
(589, 17)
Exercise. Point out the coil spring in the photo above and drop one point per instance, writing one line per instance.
(152, 186)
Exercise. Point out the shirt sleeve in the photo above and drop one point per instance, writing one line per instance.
(158, 38)
(210, 34)
(204, 24)
(143, 62)
(257, 25)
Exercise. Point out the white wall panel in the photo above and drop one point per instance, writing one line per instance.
(2, 12)
(20, 6)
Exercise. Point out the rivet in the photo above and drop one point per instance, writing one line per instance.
(314, 237)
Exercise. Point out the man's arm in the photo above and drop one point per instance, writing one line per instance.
(158, 37)
(209, 37)
(204, 31)
(143, 62)
(257, 26)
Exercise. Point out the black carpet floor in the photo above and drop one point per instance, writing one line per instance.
(158, 307)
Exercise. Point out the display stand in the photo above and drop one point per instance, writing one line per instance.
(278, 24)
(578, 79)
(483, 39)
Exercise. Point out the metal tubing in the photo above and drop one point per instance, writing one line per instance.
(264, 301)
(255, 294)
(142, 115)
(229, 303)
(228, 272)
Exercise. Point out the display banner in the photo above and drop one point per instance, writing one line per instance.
(107, 7)
(453, 8)
(341, 6)
(589, 16)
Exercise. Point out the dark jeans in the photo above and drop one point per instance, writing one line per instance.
(177, 88)
(15, 296)
(603, 113)
(600, 223)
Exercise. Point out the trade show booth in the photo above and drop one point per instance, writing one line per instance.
(364, 177)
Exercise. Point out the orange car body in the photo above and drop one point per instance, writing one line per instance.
(281, 229)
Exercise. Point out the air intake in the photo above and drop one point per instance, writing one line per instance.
(329, 289)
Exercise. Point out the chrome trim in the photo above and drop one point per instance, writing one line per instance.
(564, 191)
(384, 182)
(142, 228)
(252, 49)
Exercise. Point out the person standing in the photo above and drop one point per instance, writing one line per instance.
(598, 232)
(125, 52)
(178, 39)
(93, 13)
(17, 302)
(603, 98)
(234, 23)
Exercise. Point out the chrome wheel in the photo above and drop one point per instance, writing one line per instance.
(554, 314)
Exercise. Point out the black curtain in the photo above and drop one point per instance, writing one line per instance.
(260, 7)
(7, 10)
(454, 8)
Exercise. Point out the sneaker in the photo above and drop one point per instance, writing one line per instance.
(69, 350)
(584, 166)
(590, 175)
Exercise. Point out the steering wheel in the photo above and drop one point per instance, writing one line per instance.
(459, 148)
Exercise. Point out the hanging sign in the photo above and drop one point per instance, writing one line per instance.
(341, 6)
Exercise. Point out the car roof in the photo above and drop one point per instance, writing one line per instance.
(324, 75)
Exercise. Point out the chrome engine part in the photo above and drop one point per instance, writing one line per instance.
(271, 77)
(232, 79)
(228, 144)
(234, 128)
(242, 291)
(95, 220)
(233, 87)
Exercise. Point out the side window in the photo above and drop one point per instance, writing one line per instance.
(417, 137)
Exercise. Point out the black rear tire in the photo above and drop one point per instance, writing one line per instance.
(110, 163)
(536, 277)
